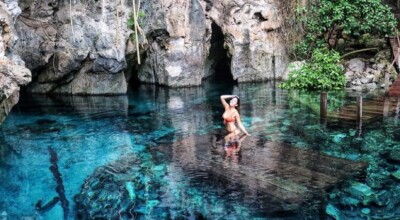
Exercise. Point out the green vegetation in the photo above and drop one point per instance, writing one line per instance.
(131, 22)
(324, 24)
(330, 20)
(321, 72)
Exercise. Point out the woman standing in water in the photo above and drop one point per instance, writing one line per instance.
(231, 116)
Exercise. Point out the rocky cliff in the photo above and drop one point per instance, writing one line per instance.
(74, 47)
(13, 74)
(87, 47)
(189, 38)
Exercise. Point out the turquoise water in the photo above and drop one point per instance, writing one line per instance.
(157, 154)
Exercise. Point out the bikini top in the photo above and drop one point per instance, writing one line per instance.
(229, 118)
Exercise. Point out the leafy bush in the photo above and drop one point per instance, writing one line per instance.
(321, 72)
(332, 19)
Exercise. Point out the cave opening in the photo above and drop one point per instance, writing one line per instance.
(132, 70)
(133, 78)
(219, 63)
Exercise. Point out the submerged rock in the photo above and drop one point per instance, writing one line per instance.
(333, 211)
(349, 201)
(360, 191)
(124, 188)
(396, 174)
(394, 156)
(366, 211)
(377, 180)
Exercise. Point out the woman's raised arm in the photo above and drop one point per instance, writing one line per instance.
(223, 97)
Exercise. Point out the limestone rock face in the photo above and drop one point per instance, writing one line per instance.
(13, 74)
(183, 33)
(251, 38)
(80, 47)
(76, 48)
(176, 35)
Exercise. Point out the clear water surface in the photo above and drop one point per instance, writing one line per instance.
(157, 154)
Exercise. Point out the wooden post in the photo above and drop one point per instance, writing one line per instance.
(359, 114)
(323, 107)
(398, 57)
(397, 111)
(386, 106)
(274, 92)
(386, 81)
(398, 106)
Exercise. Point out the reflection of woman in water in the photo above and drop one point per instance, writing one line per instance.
(232, 150)
(231, 116)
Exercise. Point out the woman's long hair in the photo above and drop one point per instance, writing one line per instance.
(237, 104)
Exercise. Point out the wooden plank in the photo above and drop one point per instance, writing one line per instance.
(353, 116)
(371, 110)
(378, 109)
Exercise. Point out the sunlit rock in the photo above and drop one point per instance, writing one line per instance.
(13, 73)
(184, 34)
(177, 42)
(74, 47)
(356, 65)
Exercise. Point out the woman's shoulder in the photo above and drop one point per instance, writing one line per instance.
(235, 111)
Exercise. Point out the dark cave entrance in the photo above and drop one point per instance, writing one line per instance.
(132, 70)
(218, 61)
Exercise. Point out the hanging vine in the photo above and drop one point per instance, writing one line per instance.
(133, 22)
(136, 29)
